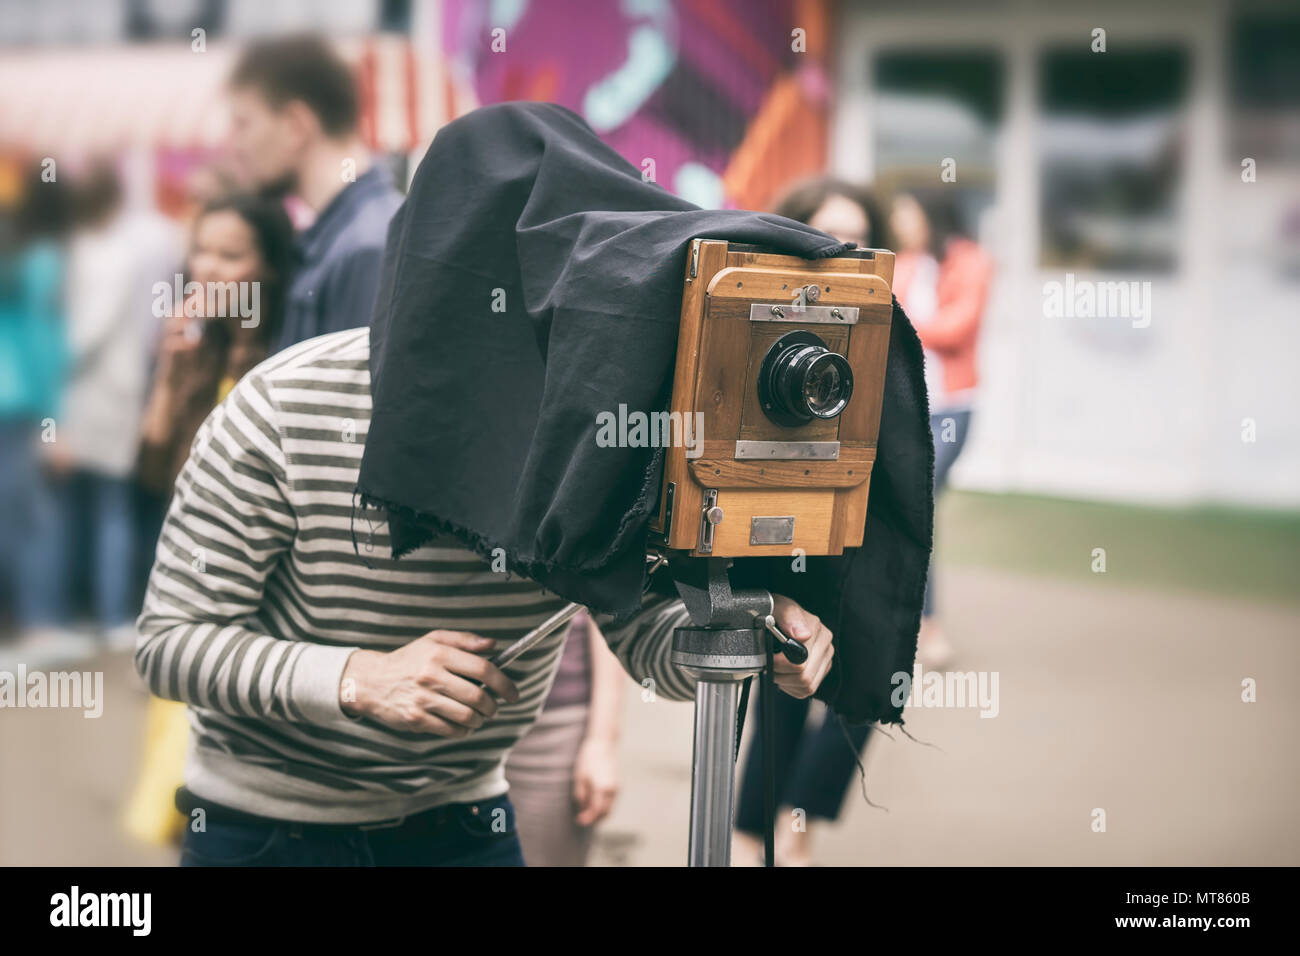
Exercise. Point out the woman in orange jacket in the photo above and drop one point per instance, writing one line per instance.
(814, 763)
(941, 278)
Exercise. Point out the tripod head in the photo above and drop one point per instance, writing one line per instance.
(705, 588)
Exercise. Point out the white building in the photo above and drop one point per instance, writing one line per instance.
(1108, 182)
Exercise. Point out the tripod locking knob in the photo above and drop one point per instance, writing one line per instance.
(795, 652)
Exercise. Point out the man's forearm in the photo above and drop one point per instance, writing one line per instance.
(236, 671)
(226, 529)
(644, 646)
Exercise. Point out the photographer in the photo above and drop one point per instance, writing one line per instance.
(343, 705)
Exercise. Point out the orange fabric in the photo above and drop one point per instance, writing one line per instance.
(785, 141)
(963, 288)
(787, 138)
(814, 17)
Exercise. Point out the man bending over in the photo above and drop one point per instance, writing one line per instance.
(343, 706)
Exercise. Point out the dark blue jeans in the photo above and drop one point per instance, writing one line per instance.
(459, 834)
(98, 511)
(949, 431)
(33, 569)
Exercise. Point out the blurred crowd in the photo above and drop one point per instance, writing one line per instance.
(78, 339)
(114, 349)
(121, 328)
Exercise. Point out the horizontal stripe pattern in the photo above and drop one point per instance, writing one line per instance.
(263, 585)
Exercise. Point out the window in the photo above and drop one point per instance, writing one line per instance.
(937, 105)
(1111, 157)
(1264, 87)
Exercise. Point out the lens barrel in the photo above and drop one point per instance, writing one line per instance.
(801, 379)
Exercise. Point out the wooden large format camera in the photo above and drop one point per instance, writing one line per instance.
(785, 358)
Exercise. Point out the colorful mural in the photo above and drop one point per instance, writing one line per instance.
(721, 101)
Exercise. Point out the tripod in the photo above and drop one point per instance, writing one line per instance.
(726, 643)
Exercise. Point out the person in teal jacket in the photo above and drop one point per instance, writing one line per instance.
(32, 366)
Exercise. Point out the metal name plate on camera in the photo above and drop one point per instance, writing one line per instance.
(816, 314)
(788, 450)
(771, 530)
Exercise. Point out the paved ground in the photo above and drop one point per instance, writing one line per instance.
(1129, 702)
(1110, 697)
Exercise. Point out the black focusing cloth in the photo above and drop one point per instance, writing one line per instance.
(533, 280)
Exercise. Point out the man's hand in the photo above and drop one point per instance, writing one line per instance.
(801, 680)
(428, 685)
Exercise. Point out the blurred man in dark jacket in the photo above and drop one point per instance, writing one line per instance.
(295, 114)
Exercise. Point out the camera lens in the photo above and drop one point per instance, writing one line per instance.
(825, 390)
(801, 379)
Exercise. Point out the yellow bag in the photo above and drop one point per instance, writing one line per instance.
(151, 813)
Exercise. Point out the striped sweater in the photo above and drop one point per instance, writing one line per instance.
(258, 597)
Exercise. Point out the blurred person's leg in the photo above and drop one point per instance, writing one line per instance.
(150, 508)
(43, 573)
(789, 715)
(826, 764)
(32, 537)
(540, 770)
(949, 431)
(73, 498)
(114, 558)
(15, 476)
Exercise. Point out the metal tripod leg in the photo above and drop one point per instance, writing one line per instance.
(719, 659)
(726, 644)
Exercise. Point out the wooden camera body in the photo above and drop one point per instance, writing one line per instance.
(771, 474)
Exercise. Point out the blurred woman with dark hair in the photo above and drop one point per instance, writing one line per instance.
(814, 766)
(941, 279)
(835, 206)
(242, 239)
